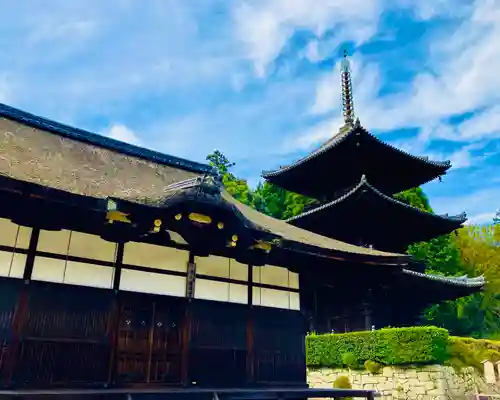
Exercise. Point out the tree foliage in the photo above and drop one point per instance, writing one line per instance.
(473, 251)
(267, 198)
(279, 203)
(238, 188)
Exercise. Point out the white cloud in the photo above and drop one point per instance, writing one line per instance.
(122, 133)
(461, 76)
(5, 90)
(484, 201)
(264, 26)
(93, 54)
(482, 218)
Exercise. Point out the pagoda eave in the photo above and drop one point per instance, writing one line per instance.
(364, 213)
(441, 288)
(350, 153)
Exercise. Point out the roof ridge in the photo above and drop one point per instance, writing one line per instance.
(364, 182)
(343, 135)
(95, 139)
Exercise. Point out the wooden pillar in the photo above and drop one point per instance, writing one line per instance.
(250, 330)
(22, 308)
(30, 257)
(187, 319)
(115, 315)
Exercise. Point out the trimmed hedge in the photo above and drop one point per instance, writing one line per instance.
(390, 346)
(472, 352)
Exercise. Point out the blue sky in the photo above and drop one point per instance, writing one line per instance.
(258, 79)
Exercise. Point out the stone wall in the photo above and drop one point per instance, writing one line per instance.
(426, 383)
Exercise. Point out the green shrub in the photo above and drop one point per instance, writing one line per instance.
(342, 382)
(373, 366)
(468, 352)
(350, 360)
(390, 346)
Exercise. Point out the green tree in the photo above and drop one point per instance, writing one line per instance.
(440, 254)
(238, 188)
(279, 203)
(415, 197)
(466, 251)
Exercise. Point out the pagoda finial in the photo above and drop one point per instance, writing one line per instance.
(347, 102)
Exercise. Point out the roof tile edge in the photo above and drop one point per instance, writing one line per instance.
(462, 217)
(341, 136)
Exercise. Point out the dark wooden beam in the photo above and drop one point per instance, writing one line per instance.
(250, 329)
(30, 258)
(187, 320)
(115, 314)
(118, 266)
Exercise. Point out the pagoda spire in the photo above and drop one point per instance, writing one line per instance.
(347, 101)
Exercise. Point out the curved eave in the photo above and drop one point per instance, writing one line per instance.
(344, 135)
(81, 135)
(473, 284)
(311, 243)
(455, 222)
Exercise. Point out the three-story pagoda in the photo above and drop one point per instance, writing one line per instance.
(353, 177)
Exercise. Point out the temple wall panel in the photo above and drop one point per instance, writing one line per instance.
(72, 273)
(158, 257)
(153, 283)
(12, 264)
(83, 274)
(276, 276)
(56, 242)
(266, 297)
(212, 266)
(238, 271)
(206, 289)
(293, 280)
(13, 235)
(273, 297)
(91, 246)
(74, 244)
(8, 233)
(48, 269)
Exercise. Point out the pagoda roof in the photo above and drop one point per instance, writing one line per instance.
(57, 158)
(352, 152)
(365, 213)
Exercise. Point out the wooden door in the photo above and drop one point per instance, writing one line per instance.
(148, 341)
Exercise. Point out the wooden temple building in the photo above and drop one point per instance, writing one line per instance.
(121, 266)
